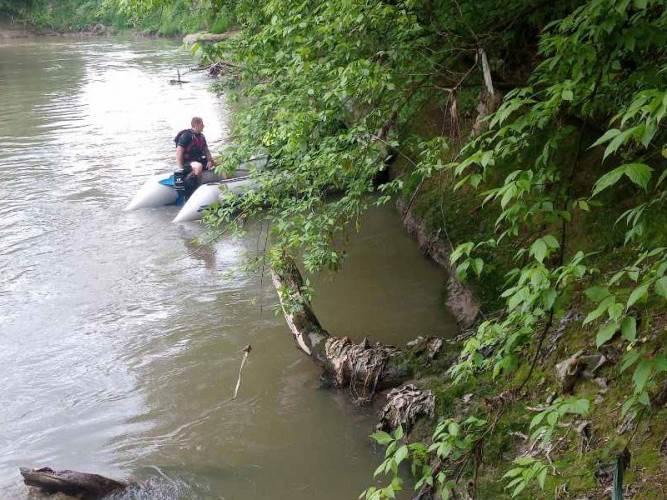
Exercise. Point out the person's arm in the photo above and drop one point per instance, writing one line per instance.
(180, 152)
(211, 162)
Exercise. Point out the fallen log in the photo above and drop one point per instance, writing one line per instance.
(76, 484)
(361, 367)
(205, 38)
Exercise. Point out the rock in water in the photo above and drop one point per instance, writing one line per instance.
(77, 484)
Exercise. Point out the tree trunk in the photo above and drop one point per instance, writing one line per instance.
(362, 367)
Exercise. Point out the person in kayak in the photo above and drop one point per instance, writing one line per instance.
(192, 153)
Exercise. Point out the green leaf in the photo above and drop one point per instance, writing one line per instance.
(629, 328)
(567, 95)
(542, 477)
(605, 333)
(637, 294)
(608, 136)
(537, 419)
(551, 241)
(641, 375)
(513, 472)
(615, 312)
(539, 250)
(616, 142)
(519, 489)
(597, 293)
(401, 454)
(515, 481)
(580, 406)
(661, 287)
(660, 363)
(453, 429)
(552, 418)
(477, 266)
(607, 180)
(639, 173)
(600, 309)
(382, 438)
(629, 359)
(549, 298)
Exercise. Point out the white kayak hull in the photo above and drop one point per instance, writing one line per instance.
(204, 195)
(207, 194)
(156, 192)
(153, 194)
(159, 190)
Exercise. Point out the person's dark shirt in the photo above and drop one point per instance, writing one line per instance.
(194, 145)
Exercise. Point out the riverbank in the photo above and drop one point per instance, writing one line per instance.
(9, 31)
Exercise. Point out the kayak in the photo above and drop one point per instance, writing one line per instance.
(159, 190)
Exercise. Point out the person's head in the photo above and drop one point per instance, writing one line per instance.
(197, 124)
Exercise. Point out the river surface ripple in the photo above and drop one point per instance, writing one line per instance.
(120, 336)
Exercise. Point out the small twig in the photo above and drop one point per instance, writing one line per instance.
(413, 198)
(246, 351)
(538, 349)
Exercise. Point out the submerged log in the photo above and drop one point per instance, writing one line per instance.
(361, 367)
(204, 37)
(76, 484)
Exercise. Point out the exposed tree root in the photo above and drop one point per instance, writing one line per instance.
(405, 405)
(362, 368)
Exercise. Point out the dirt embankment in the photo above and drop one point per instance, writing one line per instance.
(9, 31)
(460, 299)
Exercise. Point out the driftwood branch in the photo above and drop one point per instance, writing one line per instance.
(246, 351)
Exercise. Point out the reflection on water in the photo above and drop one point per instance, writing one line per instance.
(121, 337)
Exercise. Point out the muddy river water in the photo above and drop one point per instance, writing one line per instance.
(120, 336)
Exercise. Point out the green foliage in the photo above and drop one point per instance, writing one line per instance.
(223, 21)
(544, 423)
(451, 446)
(330, 85)
(11, 8)
(167, 18)
(585, 76)
(65, 15)
(527, 470)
